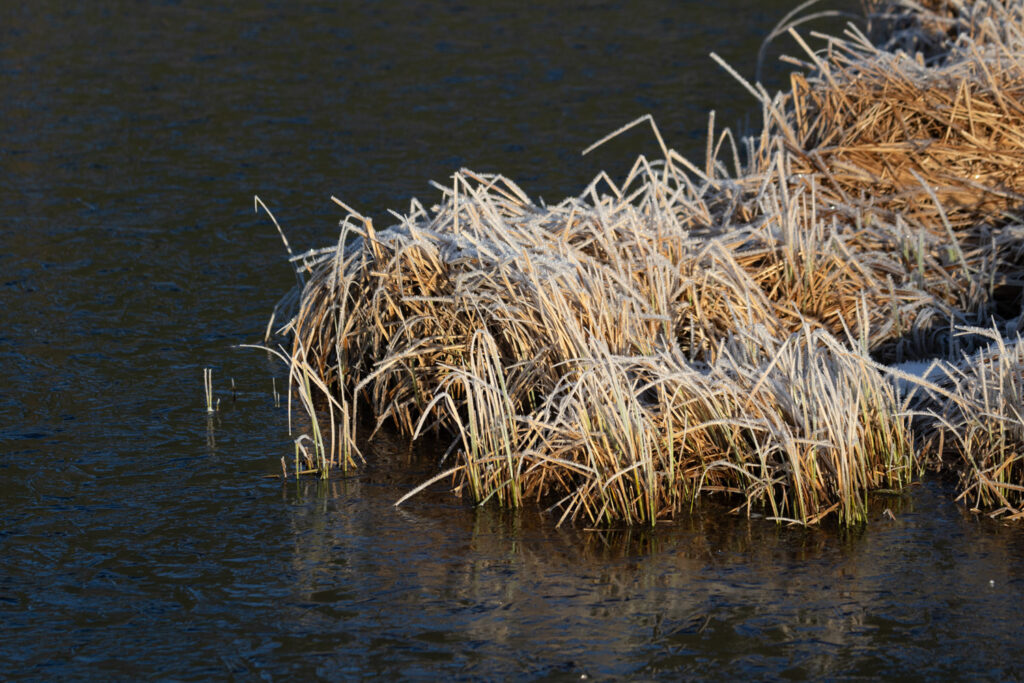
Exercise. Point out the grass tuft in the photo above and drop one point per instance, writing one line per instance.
(722, 328)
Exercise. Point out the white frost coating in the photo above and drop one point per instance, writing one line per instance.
(927, 371)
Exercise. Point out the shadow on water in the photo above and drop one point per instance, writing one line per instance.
(142, 537)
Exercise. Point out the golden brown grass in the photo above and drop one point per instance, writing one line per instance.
(706, 329)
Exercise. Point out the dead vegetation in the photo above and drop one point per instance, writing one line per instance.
(717, 328)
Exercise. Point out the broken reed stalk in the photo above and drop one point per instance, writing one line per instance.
(211, 407)
(715, 329)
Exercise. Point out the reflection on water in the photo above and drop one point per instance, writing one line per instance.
(493, 592)
(140, 537)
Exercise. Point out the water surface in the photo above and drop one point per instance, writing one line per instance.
(140, 537)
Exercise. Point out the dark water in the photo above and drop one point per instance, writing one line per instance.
(140, 538)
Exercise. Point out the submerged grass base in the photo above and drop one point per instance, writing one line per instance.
(721, 328)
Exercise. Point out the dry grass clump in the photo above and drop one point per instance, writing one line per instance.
(637, 438)
(700, 330)
(939, 145)
(800, 427)
(600, 356)
(978, 432)
(920, 162)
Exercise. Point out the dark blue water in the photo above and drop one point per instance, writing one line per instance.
(141, 538)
